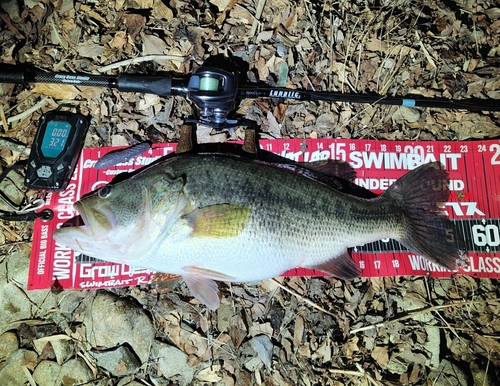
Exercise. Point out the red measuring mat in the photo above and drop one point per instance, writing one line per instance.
(474, 206)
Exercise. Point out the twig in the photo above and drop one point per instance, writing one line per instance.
(28, 375)
(142, 59)
(54, 337)
(14, 243)
(475, 36)
(26, 113)
(395, 69)
(88, 361)
(2, 117)
(356, 374)
(58, 37)
(315, 29)
(420, 312)
(302, 298)
(18, 237)
(258, 14)
(487, 367)
(426, 53)
(14, 146)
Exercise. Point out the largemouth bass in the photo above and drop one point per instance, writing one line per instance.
(210, 217)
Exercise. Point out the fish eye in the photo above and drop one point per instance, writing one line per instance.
(104, 191)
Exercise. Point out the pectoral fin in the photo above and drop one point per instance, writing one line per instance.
(219, 221)
(201, 283)
(208, 273)
(203, 289)
(342, 266)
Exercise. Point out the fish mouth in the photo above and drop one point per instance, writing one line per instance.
(89, 232)
(96, 222)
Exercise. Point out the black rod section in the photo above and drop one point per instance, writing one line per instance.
(159, 85)
(12, 74)
(474, 104)
(25, 74)
(79, 79)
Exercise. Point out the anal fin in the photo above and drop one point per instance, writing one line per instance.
(342, 266)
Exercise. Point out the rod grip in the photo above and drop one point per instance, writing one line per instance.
(159, 85)
(10, 73)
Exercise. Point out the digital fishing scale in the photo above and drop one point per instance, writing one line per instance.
(55, 150)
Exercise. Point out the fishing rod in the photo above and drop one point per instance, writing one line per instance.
(215, 91)
(214, 88)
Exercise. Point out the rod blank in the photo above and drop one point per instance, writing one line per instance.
(167, 86)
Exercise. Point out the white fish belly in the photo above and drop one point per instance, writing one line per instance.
(246, 257)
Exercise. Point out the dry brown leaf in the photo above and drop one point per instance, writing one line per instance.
(221, 4)
(490, 346)
(342, 70)
(99, 18)
(324, 352)
(143, 4)
(161, 11)
(260, 328)
(377, 45)
(274, 127)
(408, 114)
(475, 126)
(210, 374)
(237, 330)
(135, 22)
(351, 346)
(89, 92)
(119, 40)
(119, 4)
(264, 36)
(153, 45)
(241, 15)
(119, 140)
(148, 101)
(57, 91)
(291, 17)
(298, 331)
(381, 355)
(90, 49)
(305, 350)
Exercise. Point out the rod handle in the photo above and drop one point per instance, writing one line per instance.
(10, 73)
(159, 85)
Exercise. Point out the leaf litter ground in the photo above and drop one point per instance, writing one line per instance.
(382, 331)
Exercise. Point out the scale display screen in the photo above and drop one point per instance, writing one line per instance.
(55, 138)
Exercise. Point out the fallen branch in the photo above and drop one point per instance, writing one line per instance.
(420, 312)
(302, 298)
(142, 59)
(258, 14)
(356, 374)
(26, 113)
(6, 144)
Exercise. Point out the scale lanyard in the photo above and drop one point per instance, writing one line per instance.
(27, 212)
(53, 157)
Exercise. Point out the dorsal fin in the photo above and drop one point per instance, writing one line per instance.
(331, 168)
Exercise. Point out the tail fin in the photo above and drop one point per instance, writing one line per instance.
(425, 228)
